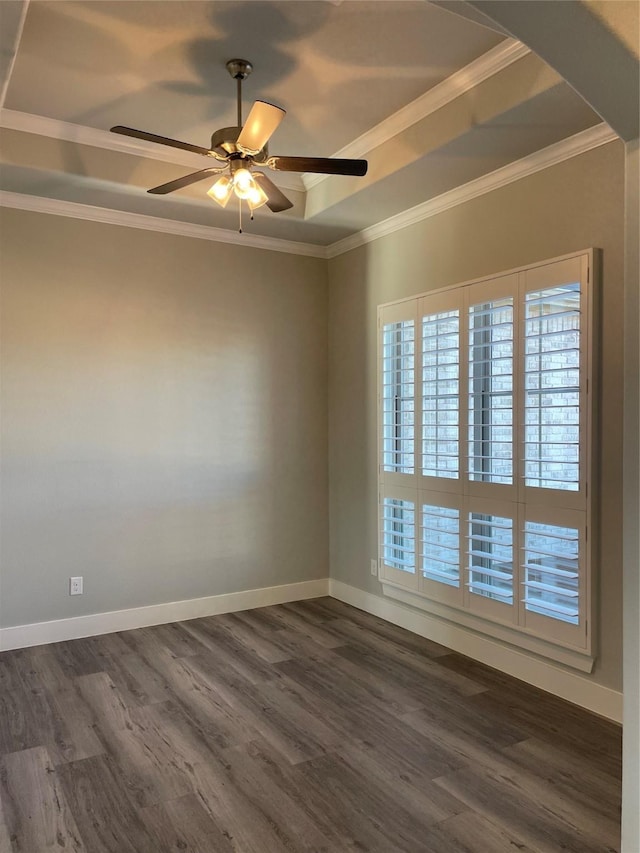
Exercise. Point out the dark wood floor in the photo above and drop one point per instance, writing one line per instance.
(303, 727)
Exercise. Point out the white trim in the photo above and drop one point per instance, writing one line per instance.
(38, 204)
(485, 66)
(12, 62)
(543, 674)
(97, 138)
(579, 143)
(68, 132)
(40, 633)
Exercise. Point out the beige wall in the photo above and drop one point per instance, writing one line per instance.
(575, 205)
(164, 416)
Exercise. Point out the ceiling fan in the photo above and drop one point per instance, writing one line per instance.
(240, 149)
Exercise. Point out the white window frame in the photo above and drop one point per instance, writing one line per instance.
(550, 637)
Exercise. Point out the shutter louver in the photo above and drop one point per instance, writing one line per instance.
(552, 388)
(491, 392)
(440, 394)
(552, 571)
(441, 544)
(398, 534)
(398, 392)
(491, 557)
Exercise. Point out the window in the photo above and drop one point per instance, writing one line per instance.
(485, 452)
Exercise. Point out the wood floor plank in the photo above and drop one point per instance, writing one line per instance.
(139, 682)
(241, 821)
(269, 720)
(414, 791)
(371, 725)
(228, 651)
(545, 716)
(184, 826)
(341, 684)
(530, 809)
(296, 824)
(81, 657)
(287, 782)
(17, 730)
(339, 616)
(340, 675)
(147, 762)
(36, 811)
(5, 840)
(433, 679)
(277, 617)
(282, 643)
(363, 811)
(175, 639)
(468, 736)
(103, 807)
(66, 724)
(463, 833)
(253, 641)
(105, 701)
(570, 776)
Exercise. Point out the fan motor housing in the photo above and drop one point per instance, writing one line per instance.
(224, 142)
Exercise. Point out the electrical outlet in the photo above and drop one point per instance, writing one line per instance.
(374, 568)
(75, 586)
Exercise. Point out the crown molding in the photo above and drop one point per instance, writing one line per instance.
(485, 66)
(74, 210)
(580, 143)
(82, 135)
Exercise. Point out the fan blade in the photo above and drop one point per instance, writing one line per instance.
(261, 122)
(184, 181)
(276, 199)
(321, 165)
(161, 140)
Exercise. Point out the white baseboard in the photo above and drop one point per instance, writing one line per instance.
(540, 673)
(41, 633)
(543, 674)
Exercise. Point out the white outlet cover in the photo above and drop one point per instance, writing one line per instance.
(75, 586)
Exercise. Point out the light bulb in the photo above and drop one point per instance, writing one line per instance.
(221, 190)
(243, 183)
(257, 197)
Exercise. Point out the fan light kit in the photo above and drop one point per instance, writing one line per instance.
(242, 147)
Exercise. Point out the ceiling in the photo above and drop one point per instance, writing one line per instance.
(432, 99)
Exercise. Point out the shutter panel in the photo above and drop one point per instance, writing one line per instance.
(552, 388)
(491, 346)
(398, 400)
(441, 395)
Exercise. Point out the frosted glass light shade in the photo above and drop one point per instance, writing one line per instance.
(221, 190)
(257, 197)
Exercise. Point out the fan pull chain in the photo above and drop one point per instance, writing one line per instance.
(240, 215)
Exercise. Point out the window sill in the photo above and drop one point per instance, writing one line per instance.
(574, 658)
